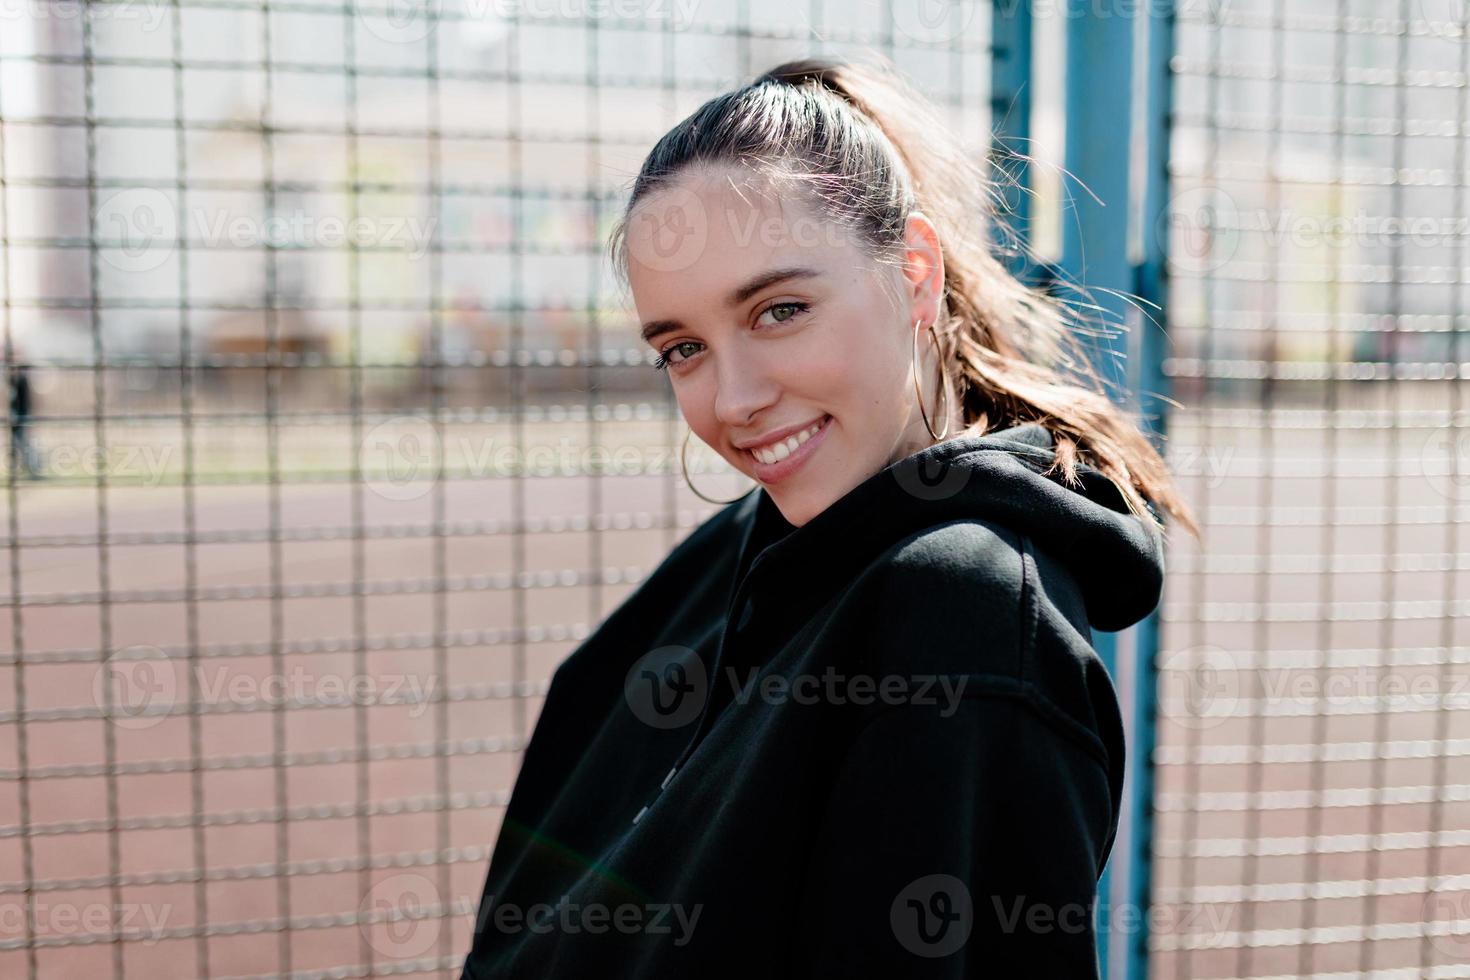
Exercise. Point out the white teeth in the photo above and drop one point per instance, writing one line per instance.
(779, 451)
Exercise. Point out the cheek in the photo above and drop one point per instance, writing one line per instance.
(859, 379)
(696, 398)
(820, 369)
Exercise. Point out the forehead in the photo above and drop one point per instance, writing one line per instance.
(697, 237)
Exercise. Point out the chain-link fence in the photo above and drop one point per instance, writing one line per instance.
(330, 439)
(335, 439)
(1313, 805)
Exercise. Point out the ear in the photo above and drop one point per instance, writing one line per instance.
(923, 268)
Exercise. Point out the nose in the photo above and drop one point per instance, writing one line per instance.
(745, 386)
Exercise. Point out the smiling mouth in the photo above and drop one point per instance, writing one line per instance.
(777, 451)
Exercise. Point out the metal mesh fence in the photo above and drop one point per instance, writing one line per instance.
(1312, 804)
(337, 443)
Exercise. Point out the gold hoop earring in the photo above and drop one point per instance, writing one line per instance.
(684, 467)
(943, 386)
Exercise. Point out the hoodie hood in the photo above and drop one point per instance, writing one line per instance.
(1116, 558)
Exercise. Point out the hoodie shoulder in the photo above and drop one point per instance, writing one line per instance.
(949, 598)
(976, 598)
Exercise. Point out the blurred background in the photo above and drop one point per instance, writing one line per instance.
(330, 436)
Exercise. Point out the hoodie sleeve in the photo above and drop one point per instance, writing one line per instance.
(965, 837)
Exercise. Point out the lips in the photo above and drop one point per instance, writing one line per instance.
(777, 435)
(769, 473)
(774, 450)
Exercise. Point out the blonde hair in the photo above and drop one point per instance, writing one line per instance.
(868, 150)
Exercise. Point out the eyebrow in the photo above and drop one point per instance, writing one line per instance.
(657, 328)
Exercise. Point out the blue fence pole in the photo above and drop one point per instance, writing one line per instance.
(1010, 126)
(1147, 378)
(1111, 126)
(1113, 242)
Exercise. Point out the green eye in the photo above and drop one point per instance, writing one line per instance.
(662, 361)
(796, 310)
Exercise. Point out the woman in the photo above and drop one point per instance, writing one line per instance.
(853, 725)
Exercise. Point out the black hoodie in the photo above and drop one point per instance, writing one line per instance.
(880, 744)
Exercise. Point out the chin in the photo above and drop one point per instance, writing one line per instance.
(798, 507)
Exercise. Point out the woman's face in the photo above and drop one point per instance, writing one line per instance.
(774, 322)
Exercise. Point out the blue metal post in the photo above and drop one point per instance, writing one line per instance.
(1098, 111)
(1114, 125)
(1112, 243)
(1010, 115)
(1146, 363)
